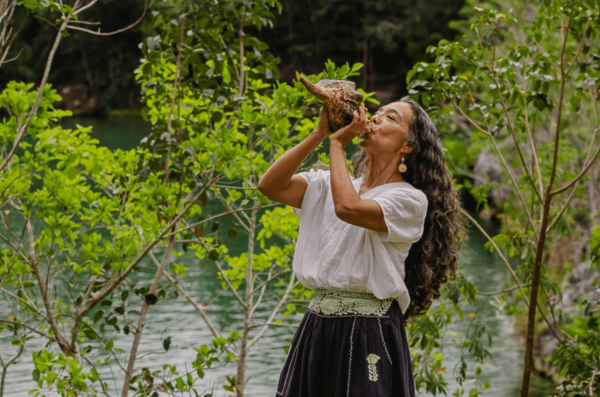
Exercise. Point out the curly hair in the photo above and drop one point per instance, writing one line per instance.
(433, 260)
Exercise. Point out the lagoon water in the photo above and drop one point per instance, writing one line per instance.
(178, 319)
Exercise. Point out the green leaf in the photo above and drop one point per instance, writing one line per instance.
(31, 4)
(232, 232)
(89, 334)
(98, 315)
(214, 255)
(167, 343)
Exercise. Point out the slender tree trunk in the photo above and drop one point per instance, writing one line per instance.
(141, 325)
(240, 380)
(533, 299)
(539, 254)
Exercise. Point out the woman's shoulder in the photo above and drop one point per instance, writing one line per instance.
(314, 175)
(405, 190)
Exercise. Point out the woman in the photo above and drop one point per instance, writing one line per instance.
(374, 246)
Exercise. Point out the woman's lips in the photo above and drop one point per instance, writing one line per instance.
(367, 132)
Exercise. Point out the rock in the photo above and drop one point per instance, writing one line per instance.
(75, 97)
(487, 169)
(580, 284)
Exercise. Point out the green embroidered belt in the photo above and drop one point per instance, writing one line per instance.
(343, 303)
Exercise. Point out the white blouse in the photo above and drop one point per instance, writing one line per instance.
(333, 254)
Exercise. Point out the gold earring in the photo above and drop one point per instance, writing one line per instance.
(402, 167)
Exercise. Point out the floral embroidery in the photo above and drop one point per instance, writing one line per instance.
(372, 360)
(342, 303)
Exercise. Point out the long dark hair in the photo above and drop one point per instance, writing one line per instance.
(433, 260)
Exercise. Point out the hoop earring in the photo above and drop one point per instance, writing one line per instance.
(402, 167)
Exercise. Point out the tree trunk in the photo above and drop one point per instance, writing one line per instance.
(240, 380)
(535, 287)
(141, 324)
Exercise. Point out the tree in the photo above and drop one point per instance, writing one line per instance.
(102, 65)
(505, 79)
(96, 216)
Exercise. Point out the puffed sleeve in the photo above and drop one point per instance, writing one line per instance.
(404, 212)
(317, 181)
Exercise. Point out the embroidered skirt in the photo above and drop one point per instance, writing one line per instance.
(348, 345)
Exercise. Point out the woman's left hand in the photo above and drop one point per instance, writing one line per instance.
(357, 126)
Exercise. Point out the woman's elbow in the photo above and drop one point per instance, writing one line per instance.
(343, 212)
(263, 187)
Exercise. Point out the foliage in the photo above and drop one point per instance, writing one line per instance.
(503, 80)
(396, 33)
(86, 220)
(103, 65)
(83, 219)
(387, 36)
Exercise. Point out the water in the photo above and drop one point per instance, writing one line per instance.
(178, 319)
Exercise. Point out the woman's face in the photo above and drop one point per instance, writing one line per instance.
(387, 130)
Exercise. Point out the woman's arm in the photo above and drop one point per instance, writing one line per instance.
(349, 207)
(279, 182)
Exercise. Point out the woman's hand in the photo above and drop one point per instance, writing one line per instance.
(357, 126)
(323, 127)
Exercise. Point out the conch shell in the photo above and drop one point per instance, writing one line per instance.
(340, 99)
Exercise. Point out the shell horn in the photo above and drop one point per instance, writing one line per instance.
(313, 89)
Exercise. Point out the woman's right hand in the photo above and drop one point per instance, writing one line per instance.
(323, 126)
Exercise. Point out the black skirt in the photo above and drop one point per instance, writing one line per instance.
(348, 345)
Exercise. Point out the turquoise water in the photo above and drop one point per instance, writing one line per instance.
(178, 319)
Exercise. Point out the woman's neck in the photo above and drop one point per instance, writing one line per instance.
(380, 172)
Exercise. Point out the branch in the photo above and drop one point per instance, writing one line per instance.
(99, 379)
(288, 326)
(12, 59)
(506, 167)
(581, 173)
(546, 54)
(28, 327)
(239, 298)
(260, 296)
(534, 151)
(587, 24)
(563, 78)
(21, 134)
(502, 291)
(512, 132)
(235, 214)
(264, 134)
(78, 10)
(511, 271)
(235, 187)
(25, 302)
(175, 84)
(237, 75)
(271, 279)
(274, 313)
(98, 33)
(44, 292)
(86, 22)
(220, 215)
(577, 183)
(145, 306)
(191, 300)
(111, 285)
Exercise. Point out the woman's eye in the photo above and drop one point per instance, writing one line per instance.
(391, 117)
